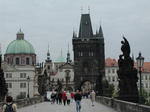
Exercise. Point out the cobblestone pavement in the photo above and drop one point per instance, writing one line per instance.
(85, 103)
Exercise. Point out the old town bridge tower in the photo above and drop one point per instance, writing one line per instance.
(89, 56)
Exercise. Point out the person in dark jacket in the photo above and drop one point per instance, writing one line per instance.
(60, 97)
(77, 98)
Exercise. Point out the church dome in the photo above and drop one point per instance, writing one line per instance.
(20, 46)
(60, 59)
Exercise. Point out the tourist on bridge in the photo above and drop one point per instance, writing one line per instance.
(60, 97)
(68, 97)
(92, 96)
(9, 106)
(53, 97)
(77, 98)
(64, 97)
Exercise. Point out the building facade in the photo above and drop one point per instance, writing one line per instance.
(19, 70)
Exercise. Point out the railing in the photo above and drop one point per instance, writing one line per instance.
(122, 106)
(25, 102)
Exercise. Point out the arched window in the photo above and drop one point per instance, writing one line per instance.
(27, 61)
(8, 61)
(17, 61)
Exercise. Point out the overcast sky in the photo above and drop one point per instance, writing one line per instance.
(52, 22)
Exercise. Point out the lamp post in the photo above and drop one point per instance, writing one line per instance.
(140, 61)
(28, 80)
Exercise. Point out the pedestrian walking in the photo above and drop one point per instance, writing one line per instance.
(53, 95)
(68, 97)
(60, 97)
(92, 96)
(78, 98)
(64, 97)
(9, 106)
(72, 96)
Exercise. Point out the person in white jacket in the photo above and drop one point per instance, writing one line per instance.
(68, 97)
(92, 96)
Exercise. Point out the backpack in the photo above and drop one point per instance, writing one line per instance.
(9, 108)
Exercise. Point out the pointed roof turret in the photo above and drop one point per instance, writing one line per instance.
(68, 56)
(48, 55)
(85, 30)
(100, 32)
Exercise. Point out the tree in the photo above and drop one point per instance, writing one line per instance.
(3, 85)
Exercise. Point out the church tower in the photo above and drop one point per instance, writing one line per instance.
(89, 56)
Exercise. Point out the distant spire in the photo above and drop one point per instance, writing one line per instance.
(133, 57)
(81, 9)
(0, 57)
(100, 32)
(0, 50)
(68, 55)
(61, 52)
(74, 34)
(48, 55)
(89, 9)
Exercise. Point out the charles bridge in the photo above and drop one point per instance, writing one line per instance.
(103, 104)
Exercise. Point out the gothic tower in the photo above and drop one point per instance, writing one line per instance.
(89, 56)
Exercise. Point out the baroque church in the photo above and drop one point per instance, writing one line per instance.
(19, 67)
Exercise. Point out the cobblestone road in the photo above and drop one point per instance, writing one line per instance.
(86, 107)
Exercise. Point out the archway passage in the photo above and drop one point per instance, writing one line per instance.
(86, 86)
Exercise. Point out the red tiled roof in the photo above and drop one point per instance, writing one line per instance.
(146, 67)
(109, 62)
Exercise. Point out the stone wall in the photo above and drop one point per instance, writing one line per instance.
(122, 106)
(25, 102)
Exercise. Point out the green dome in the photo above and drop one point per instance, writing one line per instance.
(60, 59)
(20, 46)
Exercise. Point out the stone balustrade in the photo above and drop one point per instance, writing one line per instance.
(122, 106)
(25, 102)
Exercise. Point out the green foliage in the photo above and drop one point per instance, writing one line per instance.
(20, 96)
(108, 89)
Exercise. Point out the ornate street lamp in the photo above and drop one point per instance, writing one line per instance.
(140, 62)
(28, 80)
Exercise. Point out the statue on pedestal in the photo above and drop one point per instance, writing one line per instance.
(127, 75)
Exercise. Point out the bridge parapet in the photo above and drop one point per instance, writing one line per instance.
(25, 102)
(122, 106)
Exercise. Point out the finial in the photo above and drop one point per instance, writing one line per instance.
(81, 9)
(68, 47)
(89, 9)
(0, 50)
(61, 52)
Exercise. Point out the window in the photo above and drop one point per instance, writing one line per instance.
(146, 85)
(8, 75)
(17, 61)
(9, 85)
(145, 77)
(22, 85)
(22, 75)
(113, 70)
(108, 70)
(113, 79)
(8, 60)
(109, 79)
(23, 94)
(48, 67)
(27, 61)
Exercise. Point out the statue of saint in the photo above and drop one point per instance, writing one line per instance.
(125, 48)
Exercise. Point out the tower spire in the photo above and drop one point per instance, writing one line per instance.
(100, 32)
(48, 55)
(68, 55)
